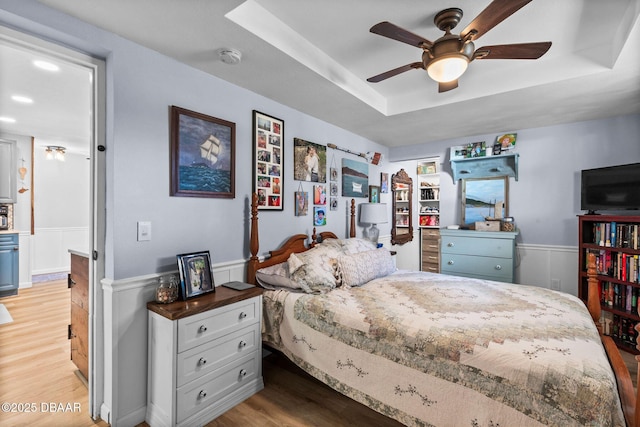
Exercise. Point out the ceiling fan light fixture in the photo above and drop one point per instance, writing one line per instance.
(448, 68)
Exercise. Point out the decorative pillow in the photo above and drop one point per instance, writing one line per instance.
(356, 245)
(275, 277)
(358, 269)
(316, 269)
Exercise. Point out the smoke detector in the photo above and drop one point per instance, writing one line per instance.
(230, 56)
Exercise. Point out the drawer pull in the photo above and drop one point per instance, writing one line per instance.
(243, 373)
(242, 344)
(450, 262)
(498, 267)
(202, 394)
(202, 361)
(202, 329)
(243, 315)
(450, 244)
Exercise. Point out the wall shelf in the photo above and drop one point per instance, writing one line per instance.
(485, 167)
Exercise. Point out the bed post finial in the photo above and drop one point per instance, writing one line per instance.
(254, 244)
(352, 227)
(593, 294)
(314, 238)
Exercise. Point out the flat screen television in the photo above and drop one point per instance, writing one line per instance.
(611, 188)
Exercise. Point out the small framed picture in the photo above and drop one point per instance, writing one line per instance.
(333, 174)
(319, 195)
(374, 194)
(319, 216)
(384, 182)
(302, 203)
(196, 275)
(333, 203)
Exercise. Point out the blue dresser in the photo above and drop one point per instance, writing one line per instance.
(8, 264)
(481, 254)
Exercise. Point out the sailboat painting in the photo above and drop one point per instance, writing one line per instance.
(202, 155)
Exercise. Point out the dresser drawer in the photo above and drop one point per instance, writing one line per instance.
(430, 267)
(430, 233)
(201, 360)
(430, 246)
(201, 328)
(207, 390)
(430, 258)
(477, 246)
(475, 266)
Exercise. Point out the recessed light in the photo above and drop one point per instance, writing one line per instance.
(7, 119)
(46, 65)
(22, 99)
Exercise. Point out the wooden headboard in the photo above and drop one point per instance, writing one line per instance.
(294, 244)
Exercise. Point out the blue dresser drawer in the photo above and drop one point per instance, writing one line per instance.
(477, 246)
(483, 267)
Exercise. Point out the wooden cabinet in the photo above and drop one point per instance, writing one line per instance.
(615, 240)
(482, 254)
(429, 192)
(205, 356)
(9, 249)
(430, 251)
(78, 282)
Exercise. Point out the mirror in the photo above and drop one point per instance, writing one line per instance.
(481, 198)
(402, 224)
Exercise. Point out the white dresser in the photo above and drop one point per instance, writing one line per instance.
(205, 356)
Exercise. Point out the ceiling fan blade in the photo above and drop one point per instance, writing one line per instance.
(495, 13)
(512, 51)
(394, 72)
(447, 86)
(392, 31)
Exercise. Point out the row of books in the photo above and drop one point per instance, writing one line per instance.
(619, 265)
(621, 297)
(612, 234)
(620, 328)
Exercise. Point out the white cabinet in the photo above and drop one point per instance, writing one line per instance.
(8, 183)
(205, 356)
(429, 192)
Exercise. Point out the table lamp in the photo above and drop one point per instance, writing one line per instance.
(373, 213)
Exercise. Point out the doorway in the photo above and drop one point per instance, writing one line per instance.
(58, 108)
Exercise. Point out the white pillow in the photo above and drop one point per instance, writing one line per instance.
(356, 245)
(316, 269)
(276, 277)
(360, 268)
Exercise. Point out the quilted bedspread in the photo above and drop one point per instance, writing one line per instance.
(434, 350)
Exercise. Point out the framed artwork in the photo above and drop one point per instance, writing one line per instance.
(319, 216)
(481, 197)
(268, 161)
(196, 275)
(302, 203)
(202, 155)
(384, 182)
(319, 195)
(309, 161)
(333, 189)
(507, 142)
(333, 172)
(374, 194)
(355, 178)
(333, 203)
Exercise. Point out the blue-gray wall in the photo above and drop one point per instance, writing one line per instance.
(546, 198)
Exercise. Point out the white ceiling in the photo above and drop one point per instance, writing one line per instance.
(315, 56)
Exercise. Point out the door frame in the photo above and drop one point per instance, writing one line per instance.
(97, 225)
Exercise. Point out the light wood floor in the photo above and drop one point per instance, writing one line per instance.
(35, 369)
(36, 372)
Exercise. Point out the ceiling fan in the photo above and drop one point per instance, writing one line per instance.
(447, 58)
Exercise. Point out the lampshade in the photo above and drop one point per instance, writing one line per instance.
(447, 68)
(373, 213)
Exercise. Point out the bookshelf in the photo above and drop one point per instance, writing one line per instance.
(428, 172)
(615, 240)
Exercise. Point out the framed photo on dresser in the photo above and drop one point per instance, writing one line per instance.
(268, 161)
(196, 275)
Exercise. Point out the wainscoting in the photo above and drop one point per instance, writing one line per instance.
(551, 267)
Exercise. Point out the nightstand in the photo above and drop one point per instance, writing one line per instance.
(205, 356)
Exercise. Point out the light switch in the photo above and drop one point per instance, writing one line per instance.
(144, 231)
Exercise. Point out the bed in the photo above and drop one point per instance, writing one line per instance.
(433, 350)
